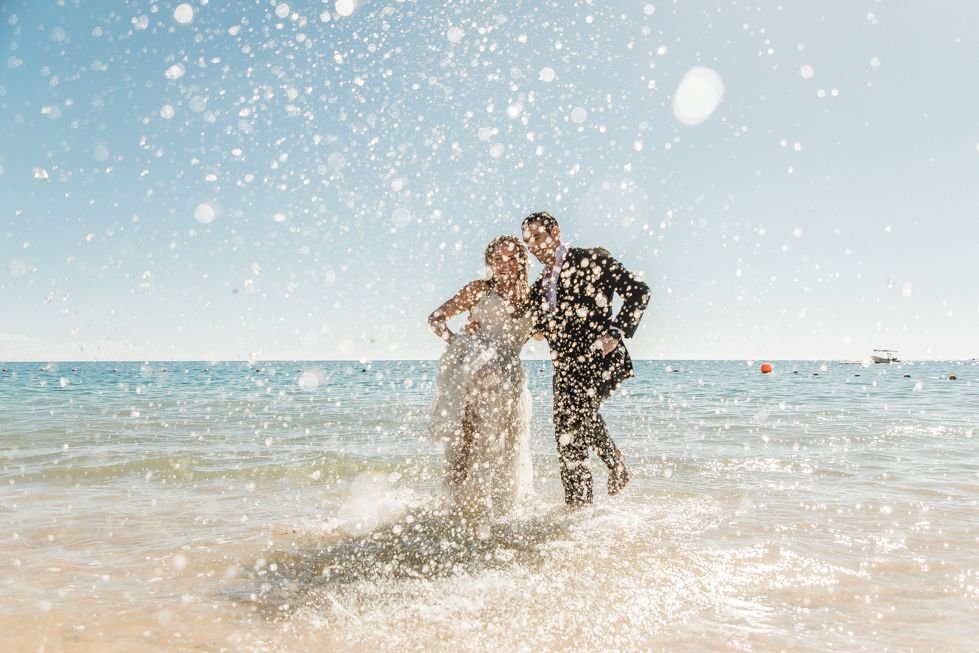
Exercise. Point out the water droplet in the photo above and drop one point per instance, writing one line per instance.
(401, 217)
(176, 71)
(455, 34)
(698, 95)
(345, 7)
(184, 14)
(205, 213)
(309, 380)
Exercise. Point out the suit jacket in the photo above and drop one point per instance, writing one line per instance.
(588, 280)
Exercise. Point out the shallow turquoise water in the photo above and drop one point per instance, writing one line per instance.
(823, 506)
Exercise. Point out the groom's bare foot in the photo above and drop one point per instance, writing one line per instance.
(618, 476)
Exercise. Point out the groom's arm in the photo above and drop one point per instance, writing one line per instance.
(634, 293)
(536, 314)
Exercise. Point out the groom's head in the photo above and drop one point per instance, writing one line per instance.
(542, 234)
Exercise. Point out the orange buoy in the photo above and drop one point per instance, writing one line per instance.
(766, 368)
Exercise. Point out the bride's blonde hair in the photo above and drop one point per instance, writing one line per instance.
(515, 248)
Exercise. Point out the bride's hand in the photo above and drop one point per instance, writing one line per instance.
(471, 327)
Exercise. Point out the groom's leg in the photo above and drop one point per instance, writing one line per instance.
(572, 447)
(590, 398)
(601, 441)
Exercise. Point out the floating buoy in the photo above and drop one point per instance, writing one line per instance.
(766, 368)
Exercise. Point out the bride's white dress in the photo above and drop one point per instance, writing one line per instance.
(483, 371)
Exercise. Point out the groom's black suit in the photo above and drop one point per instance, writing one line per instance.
(583, 377)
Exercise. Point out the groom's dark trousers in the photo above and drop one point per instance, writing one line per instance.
(583, 377)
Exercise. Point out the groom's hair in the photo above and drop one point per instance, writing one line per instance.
(542, 218)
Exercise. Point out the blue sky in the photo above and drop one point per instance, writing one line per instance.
(355, 163)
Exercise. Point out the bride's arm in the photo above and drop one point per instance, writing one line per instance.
(461, 302)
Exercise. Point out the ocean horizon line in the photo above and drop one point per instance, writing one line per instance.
(362, 361)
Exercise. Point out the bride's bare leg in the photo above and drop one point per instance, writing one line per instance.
(459, 467)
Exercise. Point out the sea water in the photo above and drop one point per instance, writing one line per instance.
(295, 506)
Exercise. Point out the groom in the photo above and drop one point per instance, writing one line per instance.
(572, 307)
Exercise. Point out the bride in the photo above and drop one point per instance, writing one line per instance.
(481, 409)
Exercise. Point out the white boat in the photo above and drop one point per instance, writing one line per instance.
(885, 356)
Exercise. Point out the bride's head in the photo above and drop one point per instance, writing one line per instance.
(507, 259)
(509, 264)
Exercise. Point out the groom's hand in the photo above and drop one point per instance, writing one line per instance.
(471, 327)
(608, 344)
